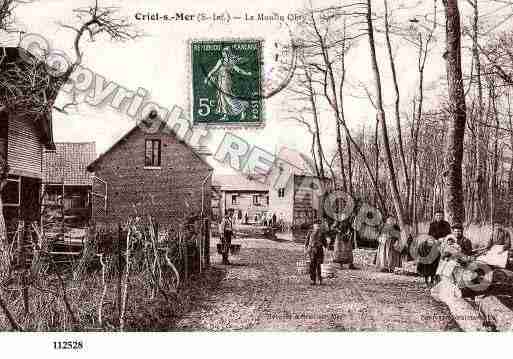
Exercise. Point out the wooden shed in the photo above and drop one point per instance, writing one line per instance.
(67, 184)
(22, 141)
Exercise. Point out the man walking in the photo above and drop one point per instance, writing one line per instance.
(314, 247)
(226, 232)
(427, 266)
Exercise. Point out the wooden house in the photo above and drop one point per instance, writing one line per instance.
(150, 173)
(22, 142)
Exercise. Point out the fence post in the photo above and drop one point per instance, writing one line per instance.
(206, 242)
(185, 256)
(120, 235)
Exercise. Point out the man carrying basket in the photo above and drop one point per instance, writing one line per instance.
(314, 247)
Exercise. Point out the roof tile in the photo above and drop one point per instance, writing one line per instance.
(68, 163)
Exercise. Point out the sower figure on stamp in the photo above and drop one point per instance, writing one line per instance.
(314, 247)
(226, 233)
(227, 104)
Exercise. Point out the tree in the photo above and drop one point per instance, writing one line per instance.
(456, 113)
(396, 197)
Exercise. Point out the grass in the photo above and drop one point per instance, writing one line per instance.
(144, 311)
(143, 295)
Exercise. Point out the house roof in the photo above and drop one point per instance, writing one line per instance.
(196, 153)
(300, 163)
(10, 57)
(68, 163)
(238, 183)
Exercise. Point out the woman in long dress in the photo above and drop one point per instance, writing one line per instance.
(388, 256)
(227, 103)
(342, 244)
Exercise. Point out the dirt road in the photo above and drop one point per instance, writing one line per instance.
(261, 290)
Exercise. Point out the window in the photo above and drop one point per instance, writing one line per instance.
(152, 153)
(281, 192)
(234, 199)
(11, 193)
(256, 200)
(267, 200)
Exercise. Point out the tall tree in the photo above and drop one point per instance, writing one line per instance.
(396, 198)
(456, 112)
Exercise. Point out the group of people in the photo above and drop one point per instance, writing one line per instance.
(444, 242)
(432, 250)
(265, 218)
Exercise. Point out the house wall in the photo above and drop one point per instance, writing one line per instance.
(281, 206)
(245, 202)
(307, 199)
(168, 194)
(24, 148)
(302, 200)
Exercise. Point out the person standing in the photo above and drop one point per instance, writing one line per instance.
(226, 231)
(427, 266)
(314, 247)
(439, 228)
(388, 256)
(342, 244)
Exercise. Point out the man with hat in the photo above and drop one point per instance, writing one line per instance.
(226, 232)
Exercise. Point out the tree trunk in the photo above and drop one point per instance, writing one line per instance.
(453, 194)
(482, 196)
(311, 98)
(396, 102)
(349, 166)
(493, 191)
(384, 132)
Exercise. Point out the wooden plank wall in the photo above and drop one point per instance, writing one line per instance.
(24, 148)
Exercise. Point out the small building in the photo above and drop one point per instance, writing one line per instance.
(22, 141)
(295, 192)
(66, 182)
(150, 173)
(242, 194)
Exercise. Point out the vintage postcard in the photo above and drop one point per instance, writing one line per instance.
(265, 166)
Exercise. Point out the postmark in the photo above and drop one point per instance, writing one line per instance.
(227, 81)
(280, 59)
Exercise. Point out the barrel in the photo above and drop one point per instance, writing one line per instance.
(328, 270)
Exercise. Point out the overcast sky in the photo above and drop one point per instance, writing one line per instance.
(158, 63)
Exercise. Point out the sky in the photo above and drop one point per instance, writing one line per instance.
(158, 63)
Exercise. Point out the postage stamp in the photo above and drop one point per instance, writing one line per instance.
(227, 81)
